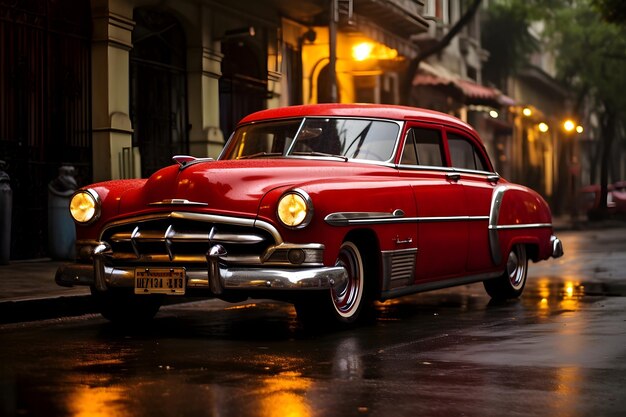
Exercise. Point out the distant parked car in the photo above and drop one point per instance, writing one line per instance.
(330, 207)
(619, 197)
(615, 199)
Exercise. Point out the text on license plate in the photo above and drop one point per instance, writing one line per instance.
(160, 281)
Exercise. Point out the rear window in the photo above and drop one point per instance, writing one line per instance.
(464, 154)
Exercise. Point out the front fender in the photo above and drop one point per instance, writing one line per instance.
(332, 197)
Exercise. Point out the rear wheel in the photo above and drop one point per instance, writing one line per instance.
(124, 307)
(347, 303)
(512, 281)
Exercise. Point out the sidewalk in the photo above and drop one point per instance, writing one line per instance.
(28, 292)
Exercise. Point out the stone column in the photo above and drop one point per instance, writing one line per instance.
(205, 136)
(112, 130)
(203, 73)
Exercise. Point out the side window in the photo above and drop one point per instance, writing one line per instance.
(464, 155)
(423, 147)
(409, 155)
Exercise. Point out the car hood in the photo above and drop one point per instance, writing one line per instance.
(233, 187)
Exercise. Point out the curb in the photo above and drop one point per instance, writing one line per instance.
(47, 308)
(34, 309)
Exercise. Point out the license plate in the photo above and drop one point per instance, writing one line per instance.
(169, 281)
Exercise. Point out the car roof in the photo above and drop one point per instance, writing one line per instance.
(379, 111)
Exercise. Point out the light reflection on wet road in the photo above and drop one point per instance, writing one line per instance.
(560, 351)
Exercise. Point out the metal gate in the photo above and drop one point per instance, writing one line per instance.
(45, 107)
(243, 84)
(158, 93)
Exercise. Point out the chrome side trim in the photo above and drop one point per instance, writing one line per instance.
(520, 226)
(348, 218)
(451, 219)
(360, 218)
(436, 285)
(494, 214)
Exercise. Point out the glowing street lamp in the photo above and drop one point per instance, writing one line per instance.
(579, 129)
(362, 51)
(526, 111)
(569, 125)
(543, 127)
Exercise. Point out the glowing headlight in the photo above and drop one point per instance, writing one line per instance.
(295, 209)
(85, 206)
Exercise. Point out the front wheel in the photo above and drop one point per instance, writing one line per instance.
(512, 281)
(125, 308)
(347, 303)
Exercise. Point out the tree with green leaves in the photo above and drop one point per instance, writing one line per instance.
(613, 11)
(591, 59)
(588, 38)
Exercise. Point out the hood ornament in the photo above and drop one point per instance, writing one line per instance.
(177, 202)
(186, 160)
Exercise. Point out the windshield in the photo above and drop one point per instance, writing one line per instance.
(328, 137)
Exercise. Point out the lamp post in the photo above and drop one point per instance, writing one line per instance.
(332, 49)
(571, 129)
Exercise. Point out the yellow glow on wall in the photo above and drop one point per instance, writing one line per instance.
(362, 51)
(365, 50)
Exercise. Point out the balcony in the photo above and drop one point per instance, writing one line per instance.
(400, 17)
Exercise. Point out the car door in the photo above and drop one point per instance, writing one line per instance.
(476, 176)
(442, 231)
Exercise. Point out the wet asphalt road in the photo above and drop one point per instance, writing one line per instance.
(558, 351)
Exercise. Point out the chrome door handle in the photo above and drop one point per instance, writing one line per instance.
(493, 179)
(454, 177)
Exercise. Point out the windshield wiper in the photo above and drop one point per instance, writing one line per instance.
(314, 153)
(260, 155)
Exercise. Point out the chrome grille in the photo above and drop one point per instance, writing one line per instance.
(180, 240)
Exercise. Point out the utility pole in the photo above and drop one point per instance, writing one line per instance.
(332, 49)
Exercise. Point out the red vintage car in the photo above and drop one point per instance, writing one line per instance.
(330, 207)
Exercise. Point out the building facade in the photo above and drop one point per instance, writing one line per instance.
(114, 88)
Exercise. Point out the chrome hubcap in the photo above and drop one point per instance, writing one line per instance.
(347, 297)
(516, 267)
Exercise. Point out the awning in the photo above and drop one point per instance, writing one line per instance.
(477, 92)
(427, 79)
(472, 93)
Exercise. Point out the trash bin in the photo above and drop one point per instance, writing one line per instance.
(6, 204)
(61, 228)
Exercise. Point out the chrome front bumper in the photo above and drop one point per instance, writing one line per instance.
(216, 276)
